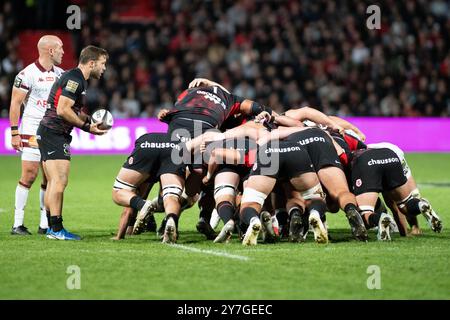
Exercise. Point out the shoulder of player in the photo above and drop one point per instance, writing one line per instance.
(58, 70)
(74, 79)
(28, 71)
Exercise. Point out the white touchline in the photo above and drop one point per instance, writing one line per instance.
(212, 252)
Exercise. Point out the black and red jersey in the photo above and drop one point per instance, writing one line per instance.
(349, 144)
(210, 104)
(72, 85)
(235, 121)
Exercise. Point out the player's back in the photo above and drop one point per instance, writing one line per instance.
(210, 104)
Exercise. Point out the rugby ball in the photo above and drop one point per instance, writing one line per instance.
(103, 115)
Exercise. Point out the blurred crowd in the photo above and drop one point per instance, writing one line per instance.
(281, 53)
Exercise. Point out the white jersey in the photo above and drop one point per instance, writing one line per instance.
(36, 82)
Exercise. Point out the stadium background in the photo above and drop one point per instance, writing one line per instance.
(281, 53)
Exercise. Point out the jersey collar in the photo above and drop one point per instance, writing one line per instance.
(41, 68)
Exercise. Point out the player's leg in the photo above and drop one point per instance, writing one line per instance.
(126, 193)
(43, 223)
(412, 204)
(255, 193)
(308, 185)
(367, 202)
(30, 170)
(335, 182)
(172, 188)
(58, 175)
(206, 205)
(225, 185)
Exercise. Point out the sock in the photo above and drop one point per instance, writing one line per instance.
(47, 213)
(282, 216)
(374, 219)
(247, 215)
(412, 207)
(137, 203)
(206, 203)
(320, 207)
(22, 191)
(43, 223)
(225, 209)
(57, 223)
(175, 218)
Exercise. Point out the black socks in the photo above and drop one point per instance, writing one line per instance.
(137, 203)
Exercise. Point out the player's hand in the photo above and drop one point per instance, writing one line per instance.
(263, 116)
(203, 146)
(94, 129)
(337, 128)
(198, 82)
(205, 180)
(16, 142)
(362, 136)
(162, 113)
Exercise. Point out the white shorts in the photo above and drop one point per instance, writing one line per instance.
(28, 127)
(30, 154)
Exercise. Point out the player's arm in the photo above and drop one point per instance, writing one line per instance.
(307, 113)
(278, 134)
(253, 108)
(64, 110)
(198, 82)
(17, 98)
(347, 125)
(220, 155)
(279, 120)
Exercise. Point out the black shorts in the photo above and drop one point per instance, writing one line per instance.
(53, 144)
(241, 170)
(153, 161)
(376, 170)
(284, 161)
(186, 129)
(319, 147)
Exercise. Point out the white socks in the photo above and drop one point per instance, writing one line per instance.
(20, 203)
(44, 222)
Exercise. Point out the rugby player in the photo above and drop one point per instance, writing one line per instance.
(64, 111)
(324, 156)
(380, 170)
(153, 160)
(31, 89)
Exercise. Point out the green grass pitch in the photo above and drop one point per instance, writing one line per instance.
(141, 267)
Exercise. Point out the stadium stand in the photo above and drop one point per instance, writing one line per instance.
(284, 53)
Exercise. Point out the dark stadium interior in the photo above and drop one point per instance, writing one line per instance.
(280, 53)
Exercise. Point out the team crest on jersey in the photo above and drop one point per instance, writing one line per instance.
(130, 161)
(17, 82)
(358, 183)
(72, 86)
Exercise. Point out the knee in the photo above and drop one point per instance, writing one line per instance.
(29, 176)
(60, 183)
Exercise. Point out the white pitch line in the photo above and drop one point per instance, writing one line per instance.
(212, 252)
